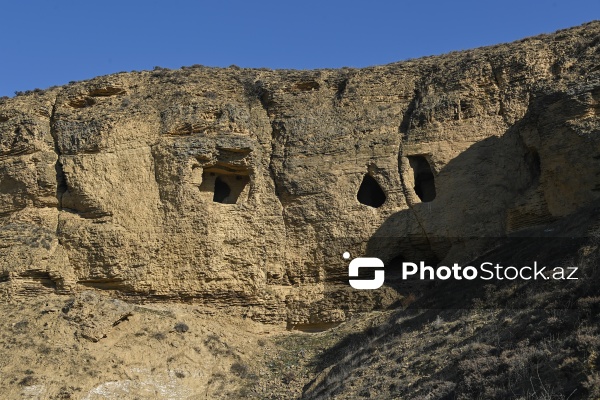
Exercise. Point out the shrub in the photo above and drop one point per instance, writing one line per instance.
(289, 377)
(239, 369)
(179, 374)
(27, 381)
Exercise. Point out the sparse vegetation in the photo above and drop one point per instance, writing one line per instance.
(530, 352)
(181, 327)
(27, 381)
(179, 374)
(239, 369)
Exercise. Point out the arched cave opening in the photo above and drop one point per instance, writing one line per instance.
(424, 179)
(222, 190)
(370, 193)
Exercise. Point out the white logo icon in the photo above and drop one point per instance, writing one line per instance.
(365, 262)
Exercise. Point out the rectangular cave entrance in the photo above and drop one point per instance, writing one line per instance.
(424, 179)
(227, 185)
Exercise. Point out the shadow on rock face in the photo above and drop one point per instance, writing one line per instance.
(502, 198)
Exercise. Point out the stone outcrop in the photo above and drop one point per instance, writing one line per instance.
(241, 188)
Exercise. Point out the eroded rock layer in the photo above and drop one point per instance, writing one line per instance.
(241, 188)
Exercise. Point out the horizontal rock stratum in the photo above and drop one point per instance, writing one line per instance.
(241, 188)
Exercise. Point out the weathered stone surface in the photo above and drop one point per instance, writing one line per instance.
(238, 188)
(95, 316)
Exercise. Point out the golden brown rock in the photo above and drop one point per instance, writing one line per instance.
(240, 189)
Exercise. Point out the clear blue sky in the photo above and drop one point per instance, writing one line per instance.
(45, 43)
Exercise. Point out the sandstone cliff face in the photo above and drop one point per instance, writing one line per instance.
(240, 189)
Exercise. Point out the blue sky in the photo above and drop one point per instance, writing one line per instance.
(45, 43)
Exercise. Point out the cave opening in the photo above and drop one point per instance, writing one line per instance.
(222, 191)
(370, 193)
(223, 184)
(424, 179)
(532, 160)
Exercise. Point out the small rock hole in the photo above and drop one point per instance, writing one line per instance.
(370, 193)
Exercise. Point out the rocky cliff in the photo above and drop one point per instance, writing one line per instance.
(241, 188)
